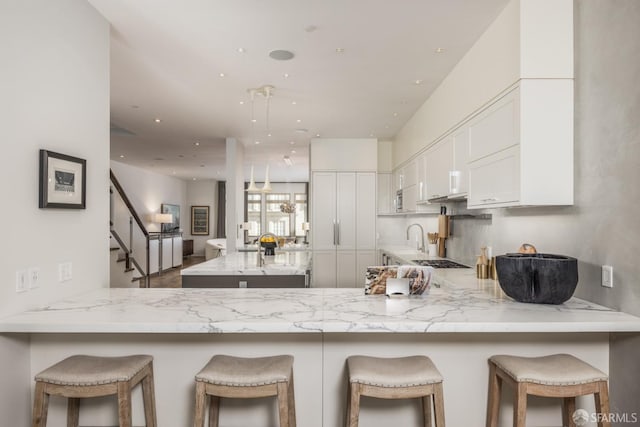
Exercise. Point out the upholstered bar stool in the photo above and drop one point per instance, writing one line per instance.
(239, 377)
(558, 375)
(395, 378)
(78, 377)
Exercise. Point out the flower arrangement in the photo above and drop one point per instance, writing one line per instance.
(287, 207)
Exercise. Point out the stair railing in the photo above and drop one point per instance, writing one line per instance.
(129, 231)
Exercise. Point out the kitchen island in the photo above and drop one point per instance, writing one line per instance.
(286, 269)
(458, 324)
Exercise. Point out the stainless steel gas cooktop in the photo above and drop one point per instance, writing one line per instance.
(439, 263)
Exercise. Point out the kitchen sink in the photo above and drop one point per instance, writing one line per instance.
(439, 263)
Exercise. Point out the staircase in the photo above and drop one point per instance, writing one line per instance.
(129, 242)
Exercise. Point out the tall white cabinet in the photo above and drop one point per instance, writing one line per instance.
(343, 212)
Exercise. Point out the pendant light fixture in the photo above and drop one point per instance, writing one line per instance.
(266, 91)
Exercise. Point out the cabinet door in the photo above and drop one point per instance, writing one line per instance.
(346, 210)
(177, 251)
(323, 270)
(385, 199)
(439, 162)
(323, 210)
(421, 185)
(495, 180)
(496, 128)
(459, 179)
(365, 210)
(346, 269)
(410, 174)
(167, 253)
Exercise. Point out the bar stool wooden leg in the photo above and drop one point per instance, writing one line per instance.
(354, 406)
(568, 408)
(198, 416)
(602, 404)
(124, 404)
(292, 403)
(40, 406)
(149, 399)
(214, 411)
(426, 410)
(73, 412)
(520, 406)
(283, 400)
(438, 403)
(493, 404)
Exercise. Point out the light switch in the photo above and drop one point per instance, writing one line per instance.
(607, 276)
(21, 280)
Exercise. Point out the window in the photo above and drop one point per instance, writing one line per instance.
(300, 214)
(254, 214)
(282, 212)
(278, 222)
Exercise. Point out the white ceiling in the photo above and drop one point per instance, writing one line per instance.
(167, 57)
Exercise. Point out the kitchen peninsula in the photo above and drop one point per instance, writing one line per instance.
(459, 324)
(286, 269)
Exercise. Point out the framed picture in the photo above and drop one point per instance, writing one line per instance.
(200, 220)
(174, 210)
(63, 181)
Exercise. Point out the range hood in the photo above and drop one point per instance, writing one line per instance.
(458, 197)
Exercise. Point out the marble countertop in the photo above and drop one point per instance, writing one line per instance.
(246, 264)
(459, 303)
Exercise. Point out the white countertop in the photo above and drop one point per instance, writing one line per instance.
(246, 264)
(462, 303)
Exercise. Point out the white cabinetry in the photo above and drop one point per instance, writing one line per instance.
(343, 219)
(438, 164)
(386, 194)
(521, 147)
(459, 176)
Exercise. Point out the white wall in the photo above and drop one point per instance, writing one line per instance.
(54, 82)
(201, 193)
(148, 190)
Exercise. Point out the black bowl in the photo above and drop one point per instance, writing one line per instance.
(537, 278)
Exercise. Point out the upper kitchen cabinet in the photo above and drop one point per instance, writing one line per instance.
(438, 165)
(521, 147)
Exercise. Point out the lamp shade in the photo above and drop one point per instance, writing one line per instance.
(163, 218)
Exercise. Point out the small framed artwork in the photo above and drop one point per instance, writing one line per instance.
(200, 220)
(63, 181)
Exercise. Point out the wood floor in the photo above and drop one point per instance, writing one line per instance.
(171, 278)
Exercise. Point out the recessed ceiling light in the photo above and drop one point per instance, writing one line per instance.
(386, 126)
(293, 102)
(299, 121)
(285, 75)
(194, 179)
(371, 135)
(395, 114)
(222, 74)
(122, 156)
(439, 50)
(157, 120)
(268, 134)
(257, 142)
(174, 172)
(339, 50)
(241, 50)
(253, 120)
(293, 151)
(241, 102)
(292, 142)
(196, 143)
(317, 135)
(281, 55)
(417, 82)
(302, 130)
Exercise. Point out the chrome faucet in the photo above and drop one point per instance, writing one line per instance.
(260, 256)
(421, 248)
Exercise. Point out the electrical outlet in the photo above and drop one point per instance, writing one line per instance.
(65, 272)
(21, 281)
(34, 277)
(607, 276)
